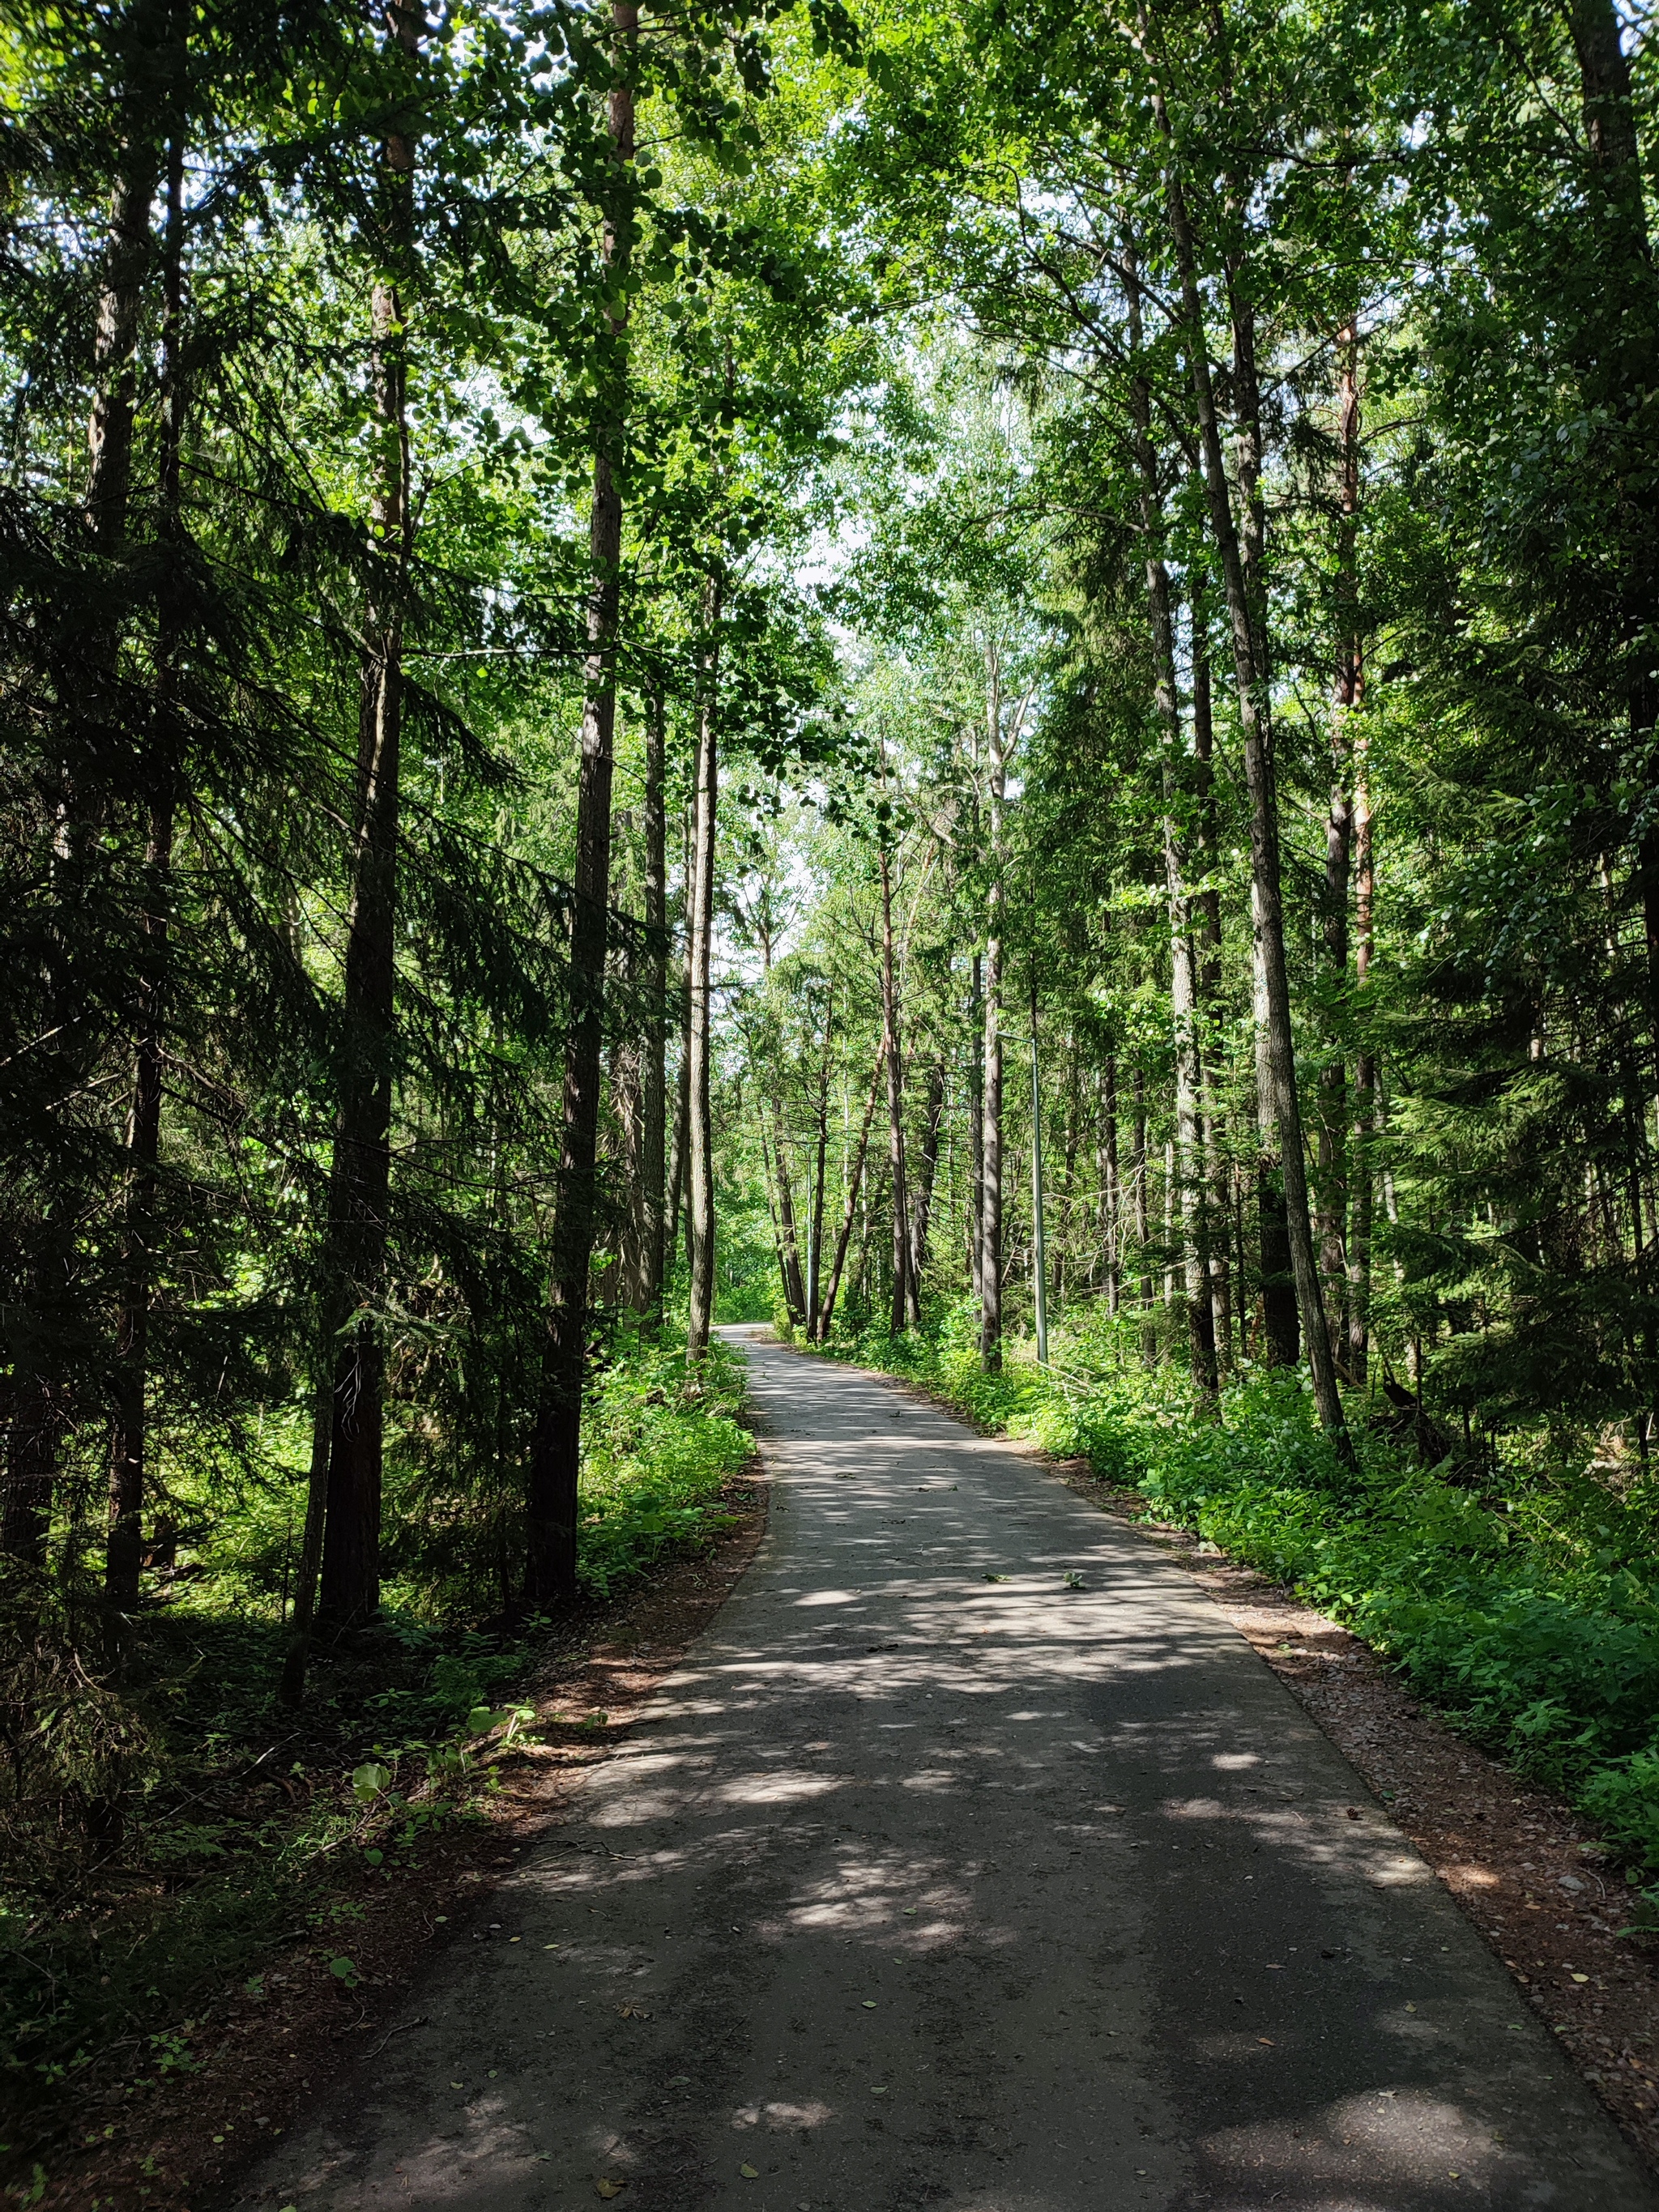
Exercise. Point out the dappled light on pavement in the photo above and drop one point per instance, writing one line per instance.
(970, 1861)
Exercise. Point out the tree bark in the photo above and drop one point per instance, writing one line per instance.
(129, 1443)
(976, 1128)
(849, 1210)
(1143, 1224)
(1365, 1076)
(793, 1285)
(921, 1201)
(551, 1496)
(359, 1184)
(701, 926)
(1111, 1208)
(899, 1315)
(815, 1237)
(1250, 671)
(990, 1257)
(654, 1101)
(1348, 693)
(1188, 1158)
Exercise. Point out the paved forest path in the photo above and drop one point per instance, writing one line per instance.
(930, 1881)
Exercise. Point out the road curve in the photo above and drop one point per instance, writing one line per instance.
(970, 1861)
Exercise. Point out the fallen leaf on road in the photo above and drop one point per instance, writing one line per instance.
(749, 2173)
(996, 1578)
(1268, 2040)
(1581, 1978)
(869, 2004)
(606, 2187)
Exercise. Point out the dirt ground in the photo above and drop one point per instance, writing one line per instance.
(174, 2147)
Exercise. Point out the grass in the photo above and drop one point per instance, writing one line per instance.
(1526, 1609)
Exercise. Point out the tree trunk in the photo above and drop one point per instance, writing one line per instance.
(788, 1262)
(849, 1212)
(1347, 696)
(1621, 377)
(1331, 1192)
(129, 1443)
(990, 1259)
(359, 1184)
(815, 1238)
(676, 1202)
(921, 1202)
(892, 1052)
(120, 301)
(1365, 1077)
(1249, 663)
(976, 1129)
(1111, 1208)
(1280, 1320)
(1187, 1160)
(794, 1287)
(1143, 1224)
(550, 1502)
(654, 1100)
(701, 926)
(990, 1250)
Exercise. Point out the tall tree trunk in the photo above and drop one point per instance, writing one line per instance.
(550, 1502)
(855, 1182)
(1280, 1319)
(700, 1129)
(794, 1286)
(677, 1177)
(1348, 693)
(1248, 626)
(129, 1442)
(921, 1201)
(1143, 1223)
(1364, 1075)
(1331, 1189)
(1621, 376)
(788, 1262)
(990, 1258)
(1187, 1160)
(892, 1051)
(990, 1246)
(1111, 1196)
(654, 1101)
(1207, 921)
(127, 257)
(360, 1185)
(976, 1129)
(815, 1238)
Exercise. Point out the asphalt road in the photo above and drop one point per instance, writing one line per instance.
(971, 1860)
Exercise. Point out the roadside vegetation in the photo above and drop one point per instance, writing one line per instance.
(159, 1841)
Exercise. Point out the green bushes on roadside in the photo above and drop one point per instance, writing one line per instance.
(224, 1820)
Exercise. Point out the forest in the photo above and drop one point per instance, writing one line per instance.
(977, 683)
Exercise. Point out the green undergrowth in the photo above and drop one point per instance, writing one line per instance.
(159, 1836)
(1526, 1609)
